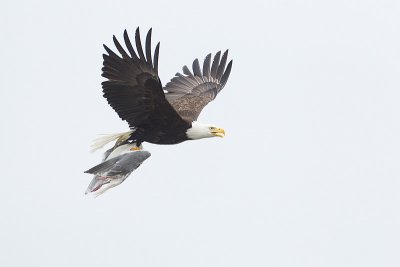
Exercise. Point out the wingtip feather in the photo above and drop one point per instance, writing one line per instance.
(148, 47)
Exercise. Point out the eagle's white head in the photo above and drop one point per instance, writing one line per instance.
(201, 130)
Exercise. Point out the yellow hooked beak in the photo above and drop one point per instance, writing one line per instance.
(218, 132)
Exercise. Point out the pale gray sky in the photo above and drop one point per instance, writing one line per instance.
(308, 174)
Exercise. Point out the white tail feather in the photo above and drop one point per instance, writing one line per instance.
(107, 138)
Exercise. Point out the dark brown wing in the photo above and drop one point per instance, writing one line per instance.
(133, 88)
(191, 92)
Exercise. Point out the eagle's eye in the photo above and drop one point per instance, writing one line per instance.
(212, 128)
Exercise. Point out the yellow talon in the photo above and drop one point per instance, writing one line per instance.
(135, 148)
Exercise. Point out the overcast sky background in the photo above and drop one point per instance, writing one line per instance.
(308, 174)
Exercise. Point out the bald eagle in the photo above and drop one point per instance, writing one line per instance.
(157, 114)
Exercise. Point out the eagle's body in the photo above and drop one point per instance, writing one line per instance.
(172, 134)
(157, 114)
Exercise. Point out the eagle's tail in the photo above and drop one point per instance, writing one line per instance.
(107, 138)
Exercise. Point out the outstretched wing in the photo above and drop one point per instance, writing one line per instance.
(133, 88)
(190, 93)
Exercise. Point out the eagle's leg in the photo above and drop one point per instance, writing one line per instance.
(138, 146)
